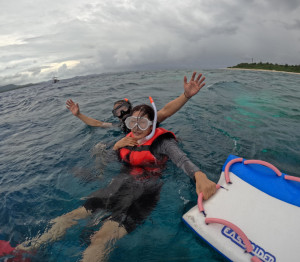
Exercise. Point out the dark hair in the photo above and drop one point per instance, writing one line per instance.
(123, 101)
(144, 110)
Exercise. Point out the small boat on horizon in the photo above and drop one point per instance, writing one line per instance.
(55, 80)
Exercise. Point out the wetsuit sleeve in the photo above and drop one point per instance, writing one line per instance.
(104, 152)
(169, 147)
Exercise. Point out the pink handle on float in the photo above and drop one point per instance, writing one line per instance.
(255, 259)
(260, 162)
(275, 169)
(236, 229)
(293, 178)
(200, 201)
(264, 163)
(231, 162)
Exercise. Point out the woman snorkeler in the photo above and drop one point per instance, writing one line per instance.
(134, 193)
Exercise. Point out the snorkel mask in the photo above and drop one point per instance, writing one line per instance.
(123, 109)
(145, 139)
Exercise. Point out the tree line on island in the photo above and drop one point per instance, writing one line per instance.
(269, 66)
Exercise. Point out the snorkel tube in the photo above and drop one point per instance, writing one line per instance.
(145, 139)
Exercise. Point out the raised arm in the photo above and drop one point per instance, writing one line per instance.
(74, 109)
(190, 89)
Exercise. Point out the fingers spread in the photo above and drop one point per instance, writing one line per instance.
(193, 76)
(198, 78)
(69, 102)
(202, 79)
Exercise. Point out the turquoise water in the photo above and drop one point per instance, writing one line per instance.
(44, 148)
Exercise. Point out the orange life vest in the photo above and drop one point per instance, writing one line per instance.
(140, 156)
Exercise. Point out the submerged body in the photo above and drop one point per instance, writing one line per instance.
(133, 194)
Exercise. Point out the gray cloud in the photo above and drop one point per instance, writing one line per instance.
(69, 38)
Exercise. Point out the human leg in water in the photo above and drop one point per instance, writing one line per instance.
(58, 229)
(62, 223)
(102, 242)
(130, 204)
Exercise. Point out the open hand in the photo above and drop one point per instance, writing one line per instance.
(74, 108)
(192, 88)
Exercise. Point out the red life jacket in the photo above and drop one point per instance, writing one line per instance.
(140, 156)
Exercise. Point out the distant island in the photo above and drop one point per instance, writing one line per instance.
(13, 87)
(268, 66)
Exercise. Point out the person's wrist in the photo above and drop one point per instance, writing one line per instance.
(199, 175)
(186, 96)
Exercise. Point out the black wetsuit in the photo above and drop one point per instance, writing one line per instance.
(131, 200)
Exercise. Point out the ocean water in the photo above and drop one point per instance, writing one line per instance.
(48, 165)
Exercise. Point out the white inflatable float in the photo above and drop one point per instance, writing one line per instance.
(254, 216)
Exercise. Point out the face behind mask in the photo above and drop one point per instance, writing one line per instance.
(122, 110)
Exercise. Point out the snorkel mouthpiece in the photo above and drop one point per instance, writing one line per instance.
(145, 139)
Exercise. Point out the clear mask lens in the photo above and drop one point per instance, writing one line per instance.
(142, 122)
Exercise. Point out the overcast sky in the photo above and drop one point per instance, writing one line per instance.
(40, 39)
